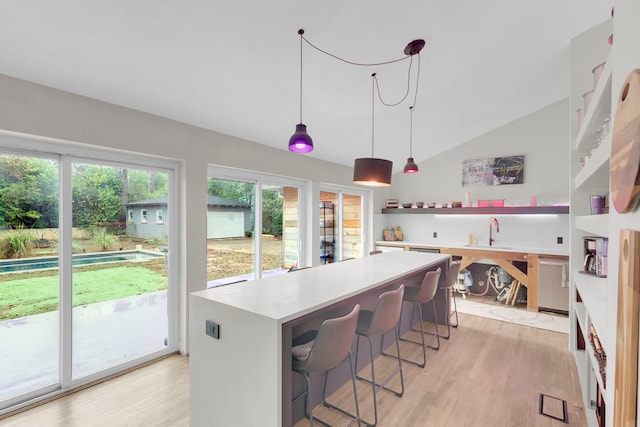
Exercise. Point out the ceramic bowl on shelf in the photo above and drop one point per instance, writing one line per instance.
(407, 205)
(419, 204)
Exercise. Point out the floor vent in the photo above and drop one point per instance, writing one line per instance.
(553, 407)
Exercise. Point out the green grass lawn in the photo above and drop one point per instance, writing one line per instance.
(33, 295)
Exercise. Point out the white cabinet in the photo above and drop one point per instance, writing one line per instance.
(591, 150)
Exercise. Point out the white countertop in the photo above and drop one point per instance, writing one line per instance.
(291, 295)
(498, 248)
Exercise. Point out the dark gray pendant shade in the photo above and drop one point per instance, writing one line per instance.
(372, 172)
(411, 166)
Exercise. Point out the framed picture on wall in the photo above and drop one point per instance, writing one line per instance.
(493, 171)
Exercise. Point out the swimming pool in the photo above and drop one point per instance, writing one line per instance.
(41, 263)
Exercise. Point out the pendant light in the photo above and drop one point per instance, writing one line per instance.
(367, 170)
(411, 166)
(300, 141)
(370, 170)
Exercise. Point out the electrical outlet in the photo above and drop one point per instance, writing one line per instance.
(435, 234)
(212, 329)
(559, 240)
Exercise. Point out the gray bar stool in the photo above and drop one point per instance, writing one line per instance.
(378, 322)
(418, 296)
(452, 278)
(330, 347)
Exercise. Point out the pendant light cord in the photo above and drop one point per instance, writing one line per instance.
(301, 32)
(373, 103)
(415, 96)
(369, 64)
(361, 64)
(411, 131)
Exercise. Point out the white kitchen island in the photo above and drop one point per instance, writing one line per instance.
(244, 377)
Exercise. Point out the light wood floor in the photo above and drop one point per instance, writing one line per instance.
(489, 374)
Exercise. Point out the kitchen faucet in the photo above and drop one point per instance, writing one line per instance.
(493, 221)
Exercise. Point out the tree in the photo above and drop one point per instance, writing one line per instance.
(232, 190)
(272, 212)
(96, 194)
(28, 192)
(144, 185)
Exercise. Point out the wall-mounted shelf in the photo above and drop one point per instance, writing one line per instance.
(507, 210)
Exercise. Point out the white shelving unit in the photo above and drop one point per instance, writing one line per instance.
(589, 293)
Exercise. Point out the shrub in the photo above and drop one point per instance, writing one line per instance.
(16, 243)
(104, 239)
(248, 233)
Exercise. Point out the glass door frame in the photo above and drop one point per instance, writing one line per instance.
(38, 147)
(366, 210)
(261, 180)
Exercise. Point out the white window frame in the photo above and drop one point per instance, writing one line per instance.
(144, 216)
(28, 145)
(261, 180)
(159, 216)
(366, 214)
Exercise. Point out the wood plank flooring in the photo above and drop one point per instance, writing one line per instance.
(489, 374)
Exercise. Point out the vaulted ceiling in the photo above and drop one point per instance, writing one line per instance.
(234, 66)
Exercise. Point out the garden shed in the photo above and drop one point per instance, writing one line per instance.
(149, 218)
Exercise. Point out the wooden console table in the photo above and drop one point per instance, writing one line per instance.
(501, 257)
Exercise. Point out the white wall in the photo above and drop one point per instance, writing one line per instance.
(532, 232)
(541, 137)
(29, 108)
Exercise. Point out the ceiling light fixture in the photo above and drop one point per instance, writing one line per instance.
(411, 166)
(370, 170)
(300, 141)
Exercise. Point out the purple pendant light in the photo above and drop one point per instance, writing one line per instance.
(300, 141)
(411, 166)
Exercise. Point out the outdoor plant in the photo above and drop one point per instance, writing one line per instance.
(16, 243)
(104, 239)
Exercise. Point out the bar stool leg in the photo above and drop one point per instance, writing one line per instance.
(374, 385)
(421, 330)
(455, 309)
(355, 418)
(448, 316)
(422, 334)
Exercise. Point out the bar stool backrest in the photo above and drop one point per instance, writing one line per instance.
(428, 287)
(452, 274)
(387, 312)
(332, 343)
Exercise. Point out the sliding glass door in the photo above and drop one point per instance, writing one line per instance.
(342, 224)
(253, 226)
(120, 241)
(29, 279)
(85, 288)
(280, 228)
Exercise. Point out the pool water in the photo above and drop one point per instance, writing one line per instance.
(41, 263)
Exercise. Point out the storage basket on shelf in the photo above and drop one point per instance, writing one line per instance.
(494, 203)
